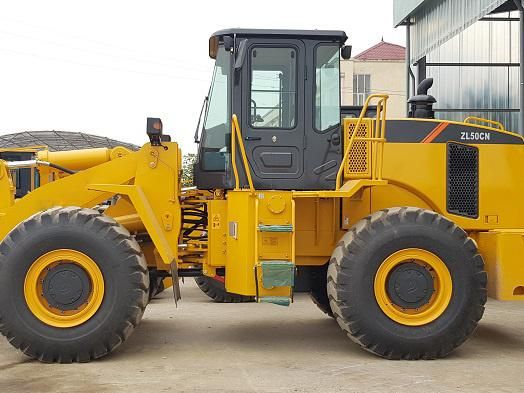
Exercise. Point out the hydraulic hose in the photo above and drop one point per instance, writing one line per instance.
(33, 163)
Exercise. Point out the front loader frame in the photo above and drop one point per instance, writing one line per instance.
(148, 178)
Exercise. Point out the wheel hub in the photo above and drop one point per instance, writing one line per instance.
(413, 286)
(66, 286)
(410, 285)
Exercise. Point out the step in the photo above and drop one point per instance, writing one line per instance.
(279, 300)
(277, 274)
(275, 228)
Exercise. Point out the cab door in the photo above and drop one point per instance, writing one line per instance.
(323, 151)
(272, 121)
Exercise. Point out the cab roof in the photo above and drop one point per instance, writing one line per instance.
(330, 35)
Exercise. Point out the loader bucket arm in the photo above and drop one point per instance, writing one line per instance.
(148, 177)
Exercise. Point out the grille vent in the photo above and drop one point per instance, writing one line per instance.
(358, 163)
(463, 180)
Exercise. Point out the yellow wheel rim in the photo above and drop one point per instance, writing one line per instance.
(442, 287)
(40, 305)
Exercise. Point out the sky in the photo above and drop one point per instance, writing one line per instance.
(103, 67)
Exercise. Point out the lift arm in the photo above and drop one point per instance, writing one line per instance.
(149, 177)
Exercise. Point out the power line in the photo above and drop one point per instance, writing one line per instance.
(117, 69)
(112, 55)
(86, 39)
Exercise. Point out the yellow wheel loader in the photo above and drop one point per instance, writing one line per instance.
(400, 228)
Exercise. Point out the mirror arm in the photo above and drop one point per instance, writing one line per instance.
(228, 43)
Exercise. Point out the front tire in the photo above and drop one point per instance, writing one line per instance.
(56, 265)
(407, 283)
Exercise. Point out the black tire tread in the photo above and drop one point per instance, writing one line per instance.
(357, 236)
(139, 277)
(318, 293)
(216, 291)
(322, 306)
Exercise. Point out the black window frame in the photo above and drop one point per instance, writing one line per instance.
(201, 147)
(314, 95)
(356, 93)
(250, 80)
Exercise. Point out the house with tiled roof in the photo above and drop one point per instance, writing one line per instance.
(378, 69)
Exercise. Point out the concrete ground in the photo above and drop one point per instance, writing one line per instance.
(207, 347)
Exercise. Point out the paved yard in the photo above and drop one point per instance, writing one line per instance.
(207, 347)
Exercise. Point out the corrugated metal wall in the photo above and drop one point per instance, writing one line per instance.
(438, 20)
(465, 87)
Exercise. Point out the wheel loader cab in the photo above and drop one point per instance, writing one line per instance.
(284, 87)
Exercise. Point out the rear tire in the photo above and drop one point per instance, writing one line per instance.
(353, 283)
(216, 290)
(318, 292)
(156, 284)
(322, 302)
(116, 255)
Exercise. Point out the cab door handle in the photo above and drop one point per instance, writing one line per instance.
(335, 139)
(252, 138)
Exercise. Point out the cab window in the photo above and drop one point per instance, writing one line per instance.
(217, 120)
(327, 87)
(273, 87)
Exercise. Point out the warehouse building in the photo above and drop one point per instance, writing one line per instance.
(471, 49)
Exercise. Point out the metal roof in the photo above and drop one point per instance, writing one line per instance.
(404, 8)
(437, 21)
(383, 51)
(60, 140)
(334, 35)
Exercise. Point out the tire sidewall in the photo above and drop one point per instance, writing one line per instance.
(119, 291)
(364, 262)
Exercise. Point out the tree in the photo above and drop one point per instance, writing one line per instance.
(188, 160)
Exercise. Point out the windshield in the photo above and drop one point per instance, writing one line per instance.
(217, 120)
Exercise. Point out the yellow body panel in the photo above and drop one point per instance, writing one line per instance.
(502, 252)
(318, 230)
(241, 223)
(248, 246)
(420, 170)
(217, 232)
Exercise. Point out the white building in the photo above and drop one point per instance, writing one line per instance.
(379, 69)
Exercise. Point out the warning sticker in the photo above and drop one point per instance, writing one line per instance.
(215, 221)
(270, 241)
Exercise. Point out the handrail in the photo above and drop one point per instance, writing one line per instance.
(499, 125)
(236, 136)
(377, 138)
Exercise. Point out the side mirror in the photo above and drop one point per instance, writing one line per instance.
(345, 52)
(241, 54)
(228, 42)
